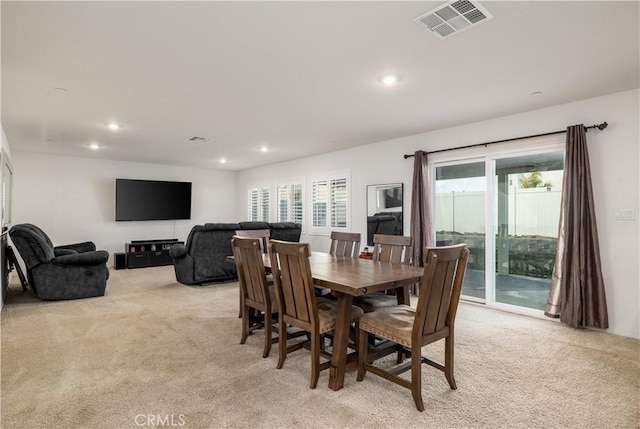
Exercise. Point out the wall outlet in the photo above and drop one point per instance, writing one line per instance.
(624, 214)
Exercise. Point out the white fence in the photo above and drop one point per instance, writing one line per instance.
(532, 211)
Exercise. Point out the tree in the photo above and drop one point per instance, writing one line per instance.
(533, 180)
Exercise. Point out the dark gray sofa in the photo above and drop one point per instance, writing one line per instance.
(203, 257)
(63, 272)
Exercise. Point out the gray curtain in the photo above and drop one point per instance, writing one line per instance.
(421, 228)
(577, 288)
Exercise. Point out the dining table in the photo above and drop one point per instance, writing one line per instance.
(348, 278)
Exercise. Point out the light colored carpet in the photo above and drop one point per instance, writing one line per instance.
(153, 347)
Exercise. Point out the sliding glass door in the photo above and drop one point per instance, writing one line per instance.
(505, 206)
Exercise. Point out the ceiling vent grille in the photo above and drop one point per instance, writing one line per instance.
(196, 139)
(453, 17)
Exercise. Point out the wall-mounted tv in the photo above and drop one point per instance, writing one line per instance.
(152, 200)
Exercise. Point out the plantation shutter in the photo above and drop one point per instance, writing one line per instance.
(259, 204)
(338, 198)
(289, 203)
(319, 196)
(330, 202)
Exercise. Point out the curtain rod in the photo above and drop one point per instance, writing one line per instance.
(601, 127)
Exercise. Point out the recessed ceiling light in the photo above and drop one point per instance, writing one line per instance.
(536, 93)
(264, 149)
(113, 126)
(94, 146)
(223, 161)
(389, 80)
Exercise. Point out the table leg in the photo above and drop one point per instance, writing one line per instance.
(341, 339)
(403, 295)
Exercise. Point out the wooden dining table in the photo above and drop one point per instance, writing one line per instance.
(347, 278)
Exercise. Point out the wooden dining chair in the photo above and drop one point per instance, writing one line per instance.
(261, 234)
(299, 307)
(258, 298)
(345, 244)
(394, 249)
(432, 320)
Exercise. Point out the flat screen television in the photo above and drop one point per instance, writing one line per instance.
(152, 200)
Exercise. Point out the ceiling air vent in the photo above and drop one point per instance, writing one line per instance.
(196, 139)
(453, 17)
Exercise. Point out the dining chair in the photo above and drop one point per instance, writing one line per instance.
(345, 244)
(261, 234)
(258, 298)
(299, 307)
(394, 249)
(432, 320)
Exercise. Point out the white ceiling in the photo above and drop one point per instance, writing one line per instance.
(298, 77)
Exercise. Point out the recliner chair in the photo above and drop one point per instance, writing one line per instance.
(63, 272)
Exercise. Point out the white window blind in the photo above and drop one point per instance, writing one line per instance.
(330, 202)
(289, 203)
(259, 204)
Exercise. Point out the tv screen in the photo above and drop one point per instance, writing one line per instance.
(152, 200)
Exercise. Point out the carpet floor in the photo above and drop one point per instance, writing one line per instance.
(155, 353)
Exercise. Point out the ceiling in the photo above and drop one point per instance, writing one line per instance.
(300, 78)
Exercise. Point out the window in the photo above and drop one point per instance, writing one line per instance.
(330, 202)
(289, 208)
(259, 204)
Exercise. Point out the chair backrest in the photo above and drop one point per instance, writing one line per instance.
(392, 248)
(247, 254)
(209, 245)
(32, 245)
(444, 269)
(286, 231)
(345, 244)
(294, 283)
(261, 234)
(38, 230)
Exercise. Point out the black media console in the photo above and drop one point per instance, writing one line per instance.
(149, 253)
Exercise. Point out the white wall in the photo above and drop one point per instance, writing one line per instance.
(73, 199)
(615, 161)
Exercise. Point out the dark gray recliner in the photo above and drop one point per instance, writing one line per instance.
(63, 272)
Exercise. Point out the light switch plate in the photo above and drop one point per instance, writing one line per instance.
(624, 214)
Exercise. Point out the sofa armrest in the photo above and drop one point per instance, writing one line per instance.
(87, 246)
(83, 259)
(178, 251)
(62, 252)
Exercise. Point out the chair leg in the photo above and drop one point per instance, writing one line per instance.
(400, 357)
(282, 341)
(416, 377)
(245, 324)
(356, 336)
(448, 361)
(241, 303)
(315, 360)
(363, 346)
(267, 333)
